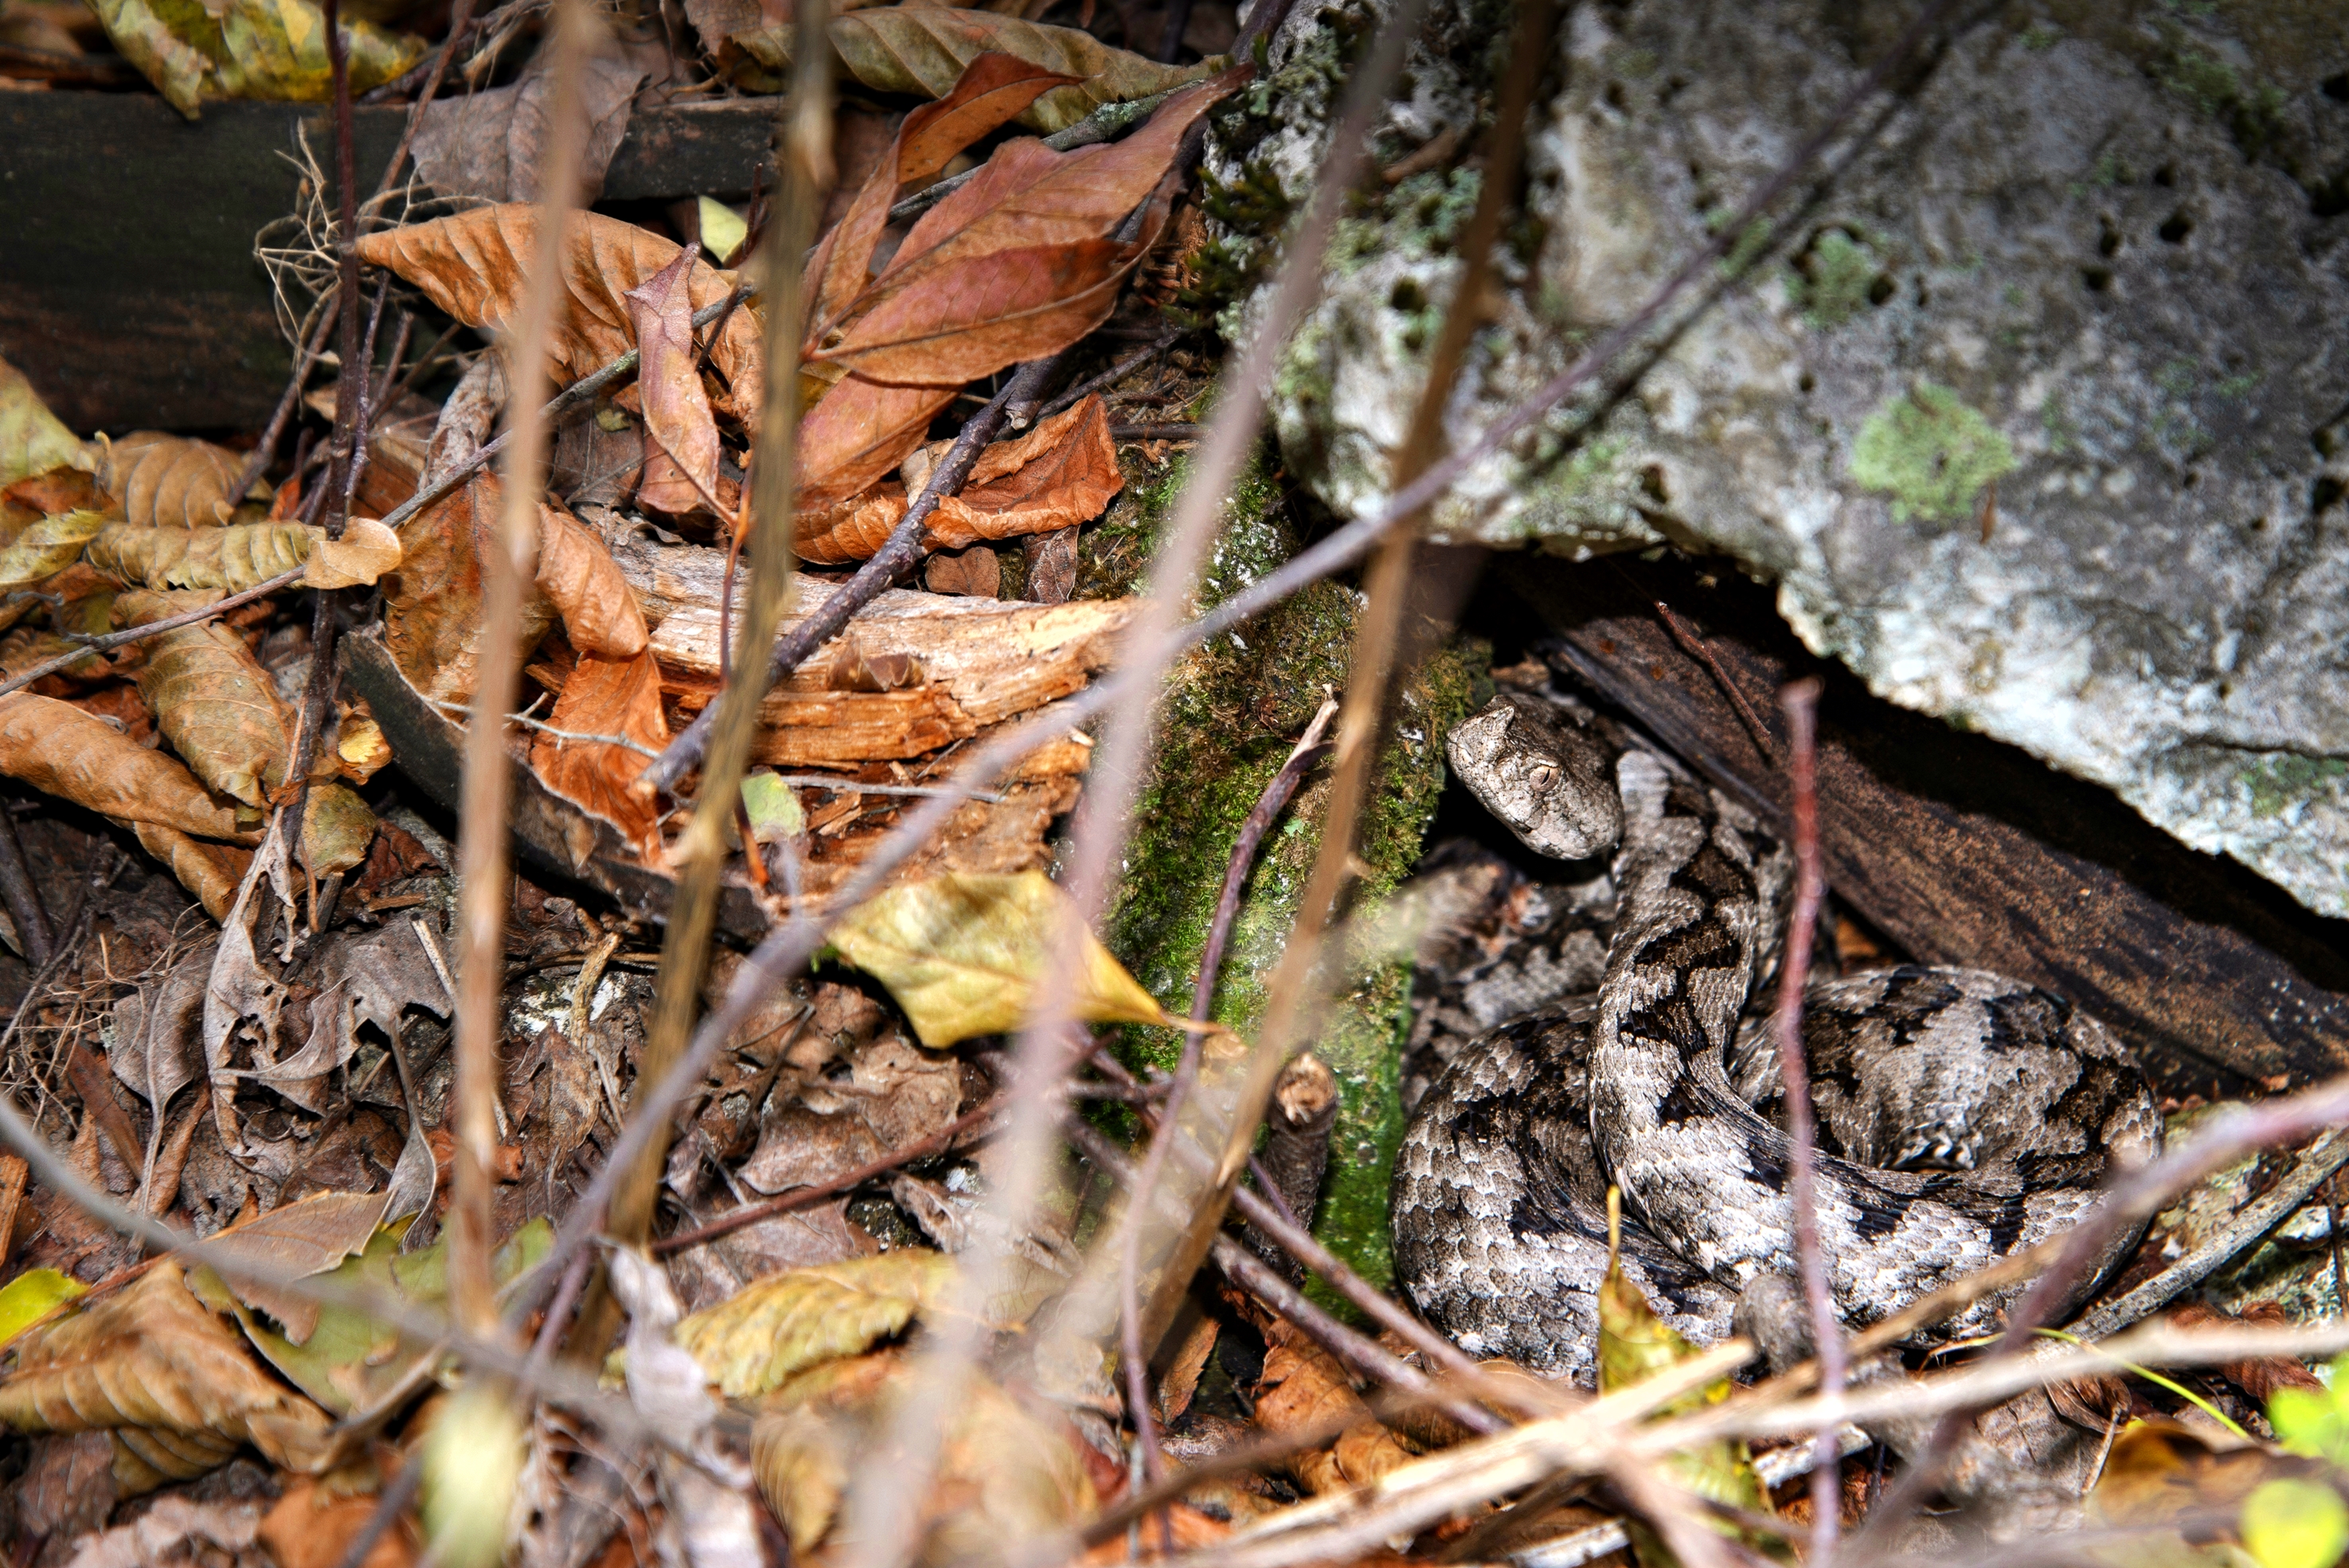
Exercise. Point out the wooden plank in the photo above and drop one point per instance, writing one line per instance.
(1965, 850)
(130, 296)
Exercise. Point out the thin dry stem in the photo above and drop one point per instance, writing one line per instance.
(482, 853)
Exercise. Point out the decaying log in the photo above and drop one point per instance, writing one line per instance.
(1965, 850)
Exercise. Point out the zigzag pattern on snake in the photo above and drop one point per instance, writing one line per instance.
(1962, 1114)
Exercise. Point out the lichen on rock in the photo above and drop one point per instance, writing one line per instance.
(2037, 413)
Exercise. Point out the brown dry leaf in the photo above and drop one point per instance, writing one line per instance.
(175, 1531)
(473, 264)
(963, 955)
(1060, 475)
(923, 49)
(432, 605)
(149, 1362)
(579, 578)
(212, 872)
(1004, 1473)
(61, 750)
(211, 698)
(606, 696)
(313, 1522)
(2259, 1376)
(48, 547)
(490, 143)
(681, 463)
(1303, 1389)
(162, 481)
(313, 1235)
(860, 431)
(366, 551)
(234, 558)
(994, 88)
(337, 829)
(774, 1327)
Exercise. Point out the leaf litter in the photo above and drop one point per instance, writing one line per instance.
(270, 1066)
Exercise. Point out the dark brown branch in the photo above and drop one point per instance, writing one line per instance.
(1117, 372)
(895, 557)
(257, 463)
(23, 895)
(1309, 749)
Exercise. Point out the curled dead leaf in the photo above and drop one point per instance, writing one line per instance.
(61, 750)
(1303, 1389)
(32, 439)
(149, 1363)
(366, 551)
(681, 464)
(473, 264)
(360, 750)
(48, 547)
(922, 50)
(272, 49)
(1060, 475)
(964, 955)
(770, 1329)
(212, 872)
(211, 698)
(162, 481)
(234, 558)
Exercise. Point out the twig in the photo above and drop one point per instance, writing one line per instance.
(346, 223)
(460, 21)
(1110, 377)
(1107, 123)
(1800, 701)
(747, 1214)
(1178, 20)
(896, 556)
(257, 462)
(483, 832)
(24, 900)
(1696, 648)
(398, 1493)
(786, 951)
(804, 159)
(1156, 432)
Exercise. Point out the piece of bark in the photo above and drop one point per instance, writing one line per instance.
(1965, 850)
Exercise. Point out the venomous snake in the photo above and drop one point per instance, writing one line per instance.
(1961, 1115)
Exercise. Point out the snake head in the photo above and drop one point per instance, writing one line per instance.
(1537, 770)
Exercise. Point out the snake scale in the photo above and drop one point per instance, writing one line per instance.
(1961, 1115)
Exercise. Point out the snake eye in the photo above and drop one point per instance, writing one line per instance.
(1541, 775)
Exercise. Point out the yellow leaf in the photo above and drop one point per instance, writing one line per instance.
(32, 1296)
(472, 1463)
(922, 50)
(177, 1385)
(775, 1326)
(48, 547)
(271, 49)
(963, 954)
(723, 229)
(2295, 1524)
(33, 440)
(336, 829)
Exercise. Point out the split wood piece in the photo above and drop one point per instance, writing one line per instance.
(1966, 851)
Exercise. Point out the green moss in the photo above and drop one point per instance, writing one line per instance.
(2283, 780)
(1233, 710)
(1930, 452)
(1834, 279)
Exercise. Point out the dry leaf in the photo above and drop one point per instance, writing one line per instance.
(33, 440)
(312, 1236)
(579, 578)
(473, 264)
(681, 464)
(211, 698)
(212, 872)
(432, 620)
(336, 830)
(964, 955)
(313, 1524)
(490, 143)
(272, 49)
(1060, 475)
(1004, 1474)
(606, 696)
(161, 481)
(860, 431)
(366, 551)
(771, 1328)
(922, 50)
(1303, 1389)
(173, 1528)
(150, 1363)
(992, 91)
(48, 547)
(61, 750)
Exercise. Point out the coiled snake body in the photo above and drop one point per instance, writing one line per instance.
(1963, 1116)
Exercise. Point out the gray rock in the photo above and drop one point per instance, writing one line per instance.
(2084, 287)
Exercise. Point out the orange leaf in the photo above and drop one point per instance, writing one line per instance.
(472, 265)
(681, 464)
(58, 749)
(991, 91)
(599, 614)
(606, 696)
(1063, 472)
(860, 431)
